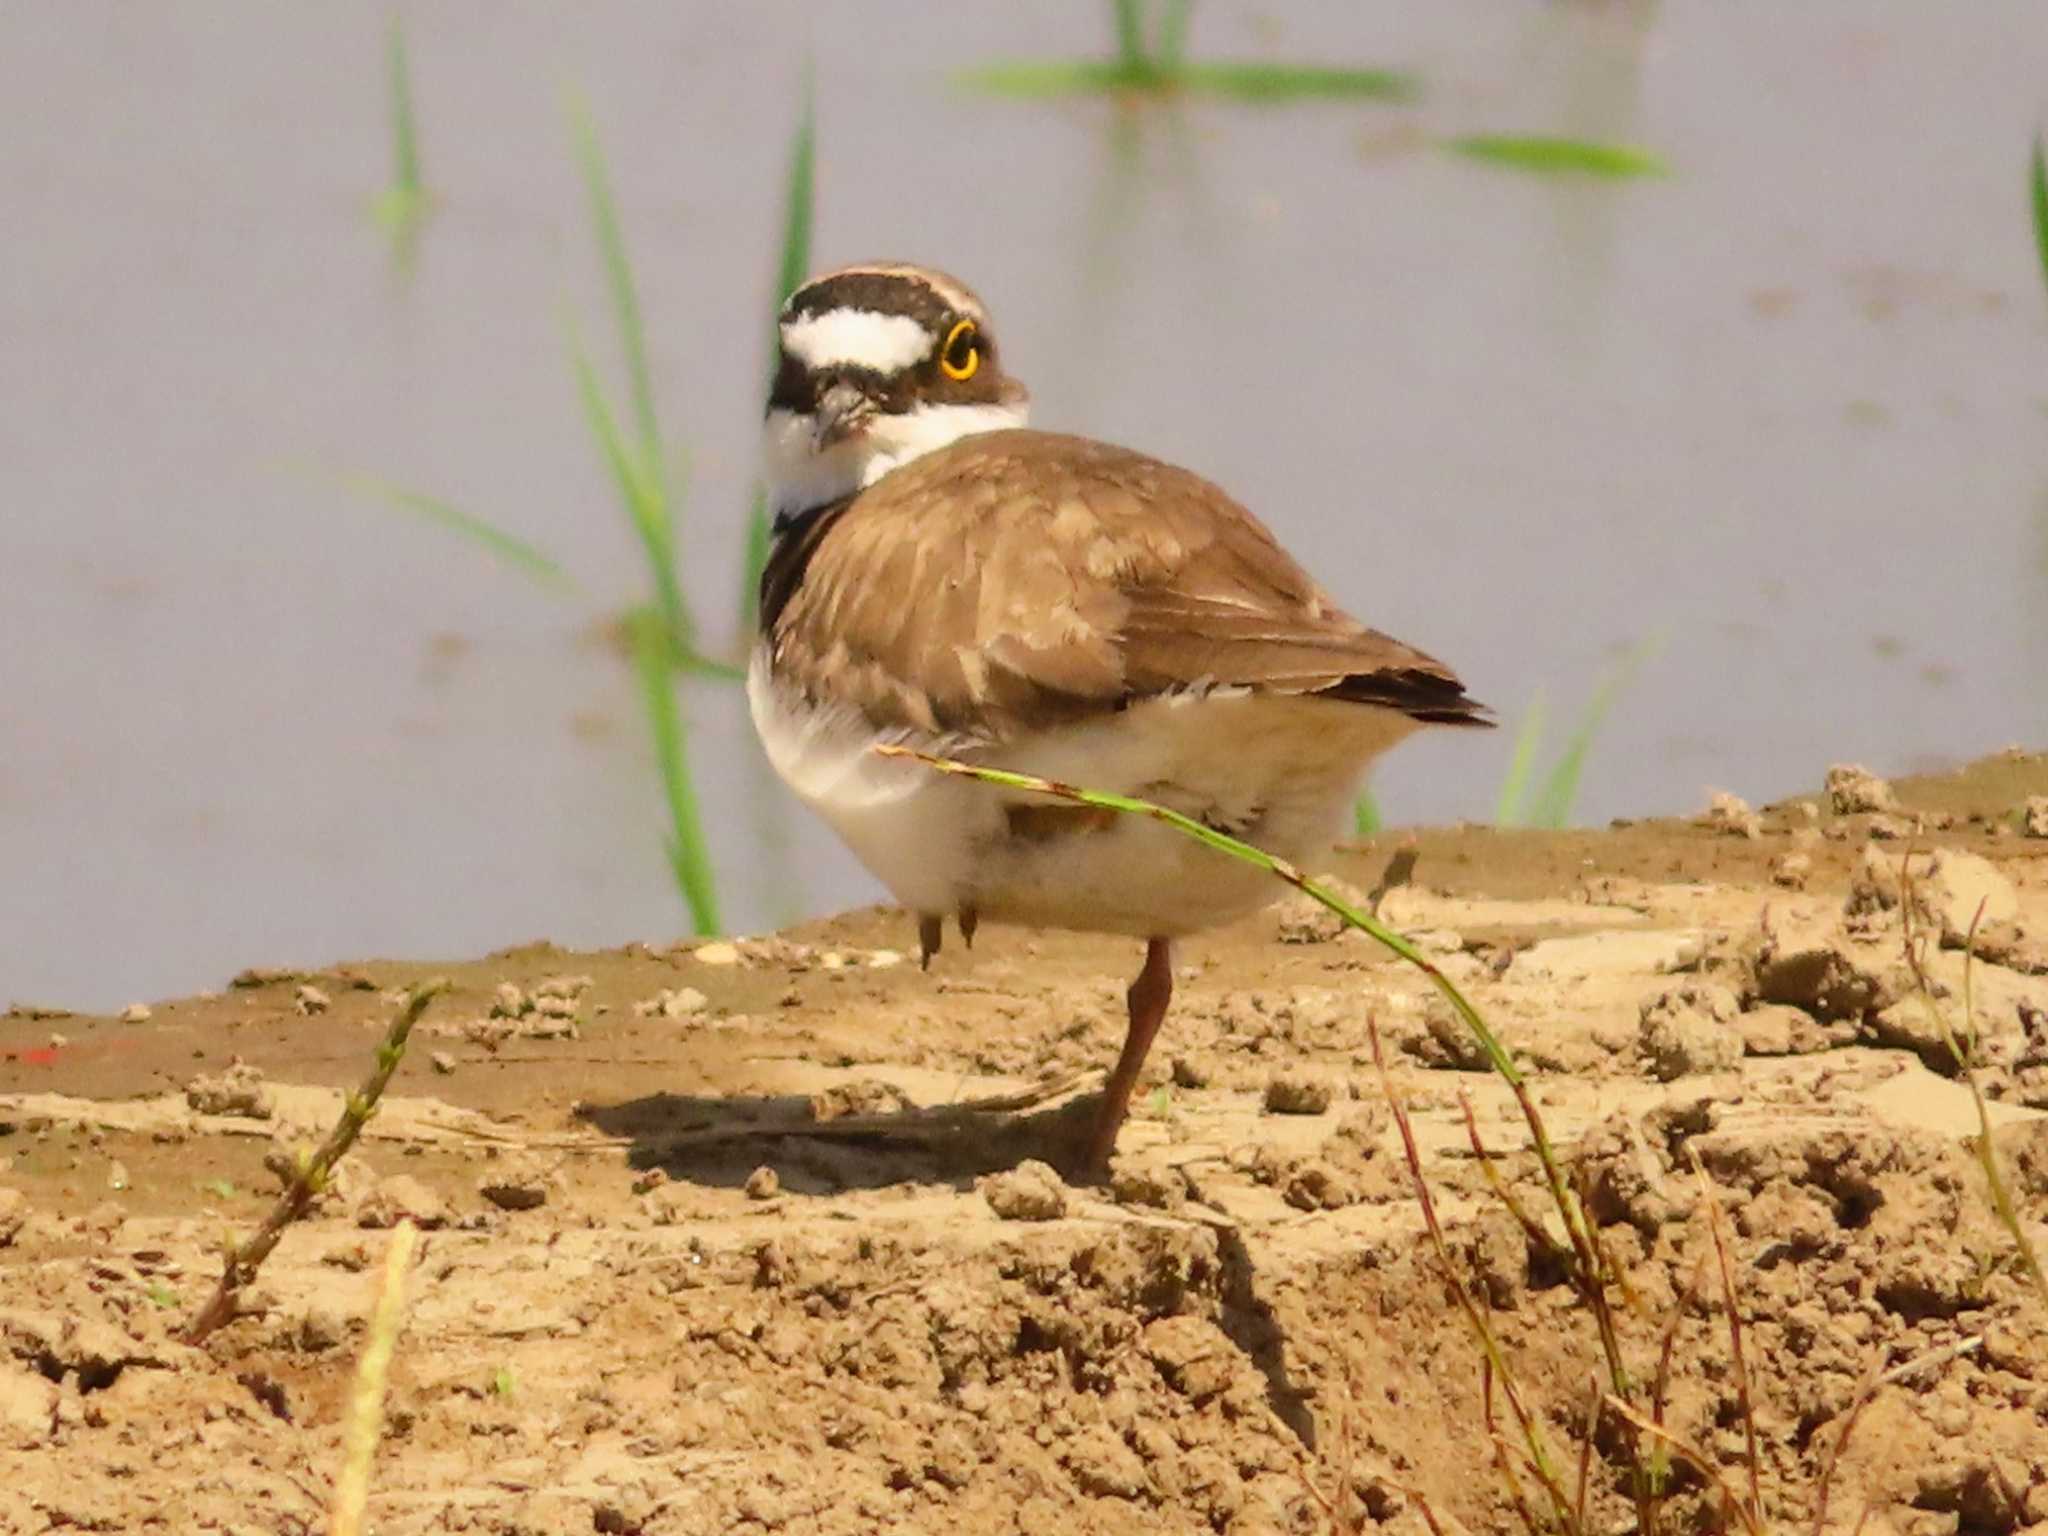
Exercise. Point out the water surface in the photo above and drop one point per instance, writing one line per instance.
(1786, 410)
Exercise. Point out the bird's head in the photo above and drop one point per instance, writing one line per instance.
(878, 364)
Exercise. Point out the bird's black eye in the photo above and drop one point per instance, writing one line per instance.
(961, 354)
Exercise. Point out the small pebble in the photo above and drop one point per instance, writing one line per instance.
(401, 1196)
(1731, 816)
(762, 1184)
(672, 1003)
(719, 952)
(2034, 816)
(513, 1190)
(1297, 1093)
(443, 1062)
(1853, 790)
(310, 999)
(322, 1326)
(136, 1013)
(13, 1214)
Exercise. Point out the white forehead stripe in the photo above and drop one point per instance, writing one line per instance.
(857, 338)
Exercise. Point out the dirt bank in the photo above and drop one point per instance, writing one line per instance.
(621, 1323)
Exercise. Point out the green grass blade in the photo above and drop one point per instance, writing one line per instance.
(611, 241)
(1293, 82)
(799, 200)
(1172, 49)
(405, 144)
(760, 536)
(1130, 37)
(1551, 156)
(2038, 182)
(798, 211)
(1040, 79)
(401, 205)
(1366, 820)
(1561, 789)
(640, 467)
(510, 548)
(1514, 788)
(689, 858)
(643, 498)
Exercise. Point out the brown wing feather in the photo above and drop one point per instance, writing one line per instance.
(1022, 578)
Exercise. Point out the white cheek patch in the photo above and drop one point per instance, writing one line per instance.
(857, 338)
(802, 475)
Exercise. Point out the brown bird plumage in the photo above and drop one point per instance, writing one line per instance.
(1066, 578)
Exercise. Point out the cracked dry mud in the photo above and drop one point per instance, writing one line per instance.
(708, 1252)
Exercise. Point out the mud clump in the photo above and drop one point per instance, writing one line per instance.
(1029, 1192)
(1297, 1092)
(1689, 1029)
(1953, 892)
(1854, 790)
(922, 1328)
(1731, 816)
(1820, 968)
(402, 1198)
(240, 1090)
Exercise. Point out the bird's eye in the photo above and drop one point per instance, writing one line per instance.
(961, 354)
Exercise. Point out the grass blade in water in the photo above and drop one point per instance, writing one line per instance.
(1293, 82)
(2038, 187)
(1550, 156)
(799, 203)
(644, 499)
(1130, 38)
(647, 489)
(401, 206)
(1561, 789)
(1366, 820)
(508, 547)
(1039, 79)
(611, 242)
(1172, 51)
(1514, 789)
(688, 856)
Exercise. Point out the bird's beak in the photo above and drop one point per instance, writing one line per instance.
(843, 410)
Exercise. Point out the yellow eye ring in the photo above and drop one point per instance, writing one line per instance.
(959, 357)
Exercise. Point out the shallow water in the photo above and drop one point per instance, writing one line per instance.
(1786, 412)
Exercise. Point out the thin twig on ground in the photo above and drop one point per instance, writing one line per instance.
(1541, 1460)
(1745, 1404)
(310, 1178)
(1962, 1045)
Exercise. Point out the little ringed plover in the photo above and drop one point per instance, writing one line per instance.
(946, 578)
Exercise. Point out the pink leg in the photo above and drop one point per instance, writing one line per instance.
(1147, 998)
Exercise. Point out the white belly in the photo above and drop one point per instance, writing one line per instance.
(1286, 770)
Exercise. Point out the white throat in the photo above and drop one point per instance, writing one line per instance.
(801, 475)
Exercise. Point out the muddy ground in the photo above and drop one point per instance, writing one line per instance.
(713, 1249)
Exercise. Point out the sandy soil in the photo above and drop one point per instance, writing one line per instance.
(711, 1253)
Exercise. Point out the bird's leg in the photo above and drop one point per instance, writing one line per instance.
(969, 921)
(1147, 998)
(931, 933)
